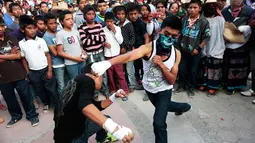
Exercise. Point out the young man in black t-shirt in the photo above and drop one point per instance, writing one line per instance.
(77, 112)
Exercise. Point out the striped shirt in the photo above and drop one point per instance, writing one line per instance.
(92, 38)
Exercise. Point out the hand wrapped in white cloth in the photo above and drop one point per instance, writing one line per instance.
(120, 132)
(119, 94)
(244, 28)
(100, 67)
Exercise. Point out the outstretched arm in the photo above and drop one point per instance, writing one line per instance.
(143, 51)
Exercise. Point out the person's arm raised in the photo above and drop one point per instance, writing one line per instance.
(144, 51)
(138, 53)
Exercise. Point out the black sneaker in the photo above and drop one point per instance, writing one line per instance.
(139, 87)
(146, 97)
(190, 92)
(180, 88)
(12, 122)
(188, 107)
(34, 121)
(230, 92)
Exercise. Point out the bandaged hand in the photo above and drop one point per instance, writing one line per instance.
(122, 132)
(244, 28)
(100, 67)
(116, 130)
(119, 94)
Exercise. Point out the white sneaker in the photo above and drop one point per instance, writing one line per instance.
(45, 109)
(253, 101)
(248, 93)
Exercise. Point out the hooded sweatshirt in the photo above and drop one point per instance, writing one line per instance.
(192, 36)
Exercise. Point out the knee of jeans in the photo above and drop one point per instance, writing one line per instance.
(159, 125)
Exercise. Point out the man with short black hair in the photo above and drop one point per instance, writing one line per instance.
(101, 7)
(93, 38)
(19, 33)
(78, 16)
(44, 8)
(58, 65)
(160, 64)
(40, 26)
(16, 11)
(8, 17)
(13, 76)
(141, 37)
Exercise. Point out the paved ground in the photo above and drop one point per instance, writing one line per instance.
(221, 119)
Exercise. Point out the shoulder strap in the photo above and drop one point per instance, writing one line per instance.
(175, 54)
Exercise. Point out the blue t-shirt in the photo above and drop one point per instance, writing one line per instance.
(7, 19)
(50, 40)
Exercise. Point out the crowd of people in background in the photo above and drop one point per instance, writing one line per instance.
(46, 43)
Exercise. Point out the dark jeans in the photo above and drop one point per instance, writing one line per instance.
(45, 88)
(90, 129)
(163, 104)
(25, 95)
(253, 80)
(188, 69)
(138, 64)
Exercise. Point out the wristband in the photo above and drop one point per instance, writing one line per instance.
(109, 125)
(112, 97)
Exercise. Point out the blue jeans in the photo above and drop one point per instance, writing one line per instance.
(90, 129)
(60, 76)
(131, 74)
(45, 88)
(188, 69)
(97, 58)
(26, 98)
(74, 70)
(163, 104)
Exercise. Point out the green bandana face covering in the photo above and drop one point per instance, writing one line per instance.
(164, 44)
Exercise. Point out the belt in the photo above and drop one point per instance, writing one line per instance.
(95, 52)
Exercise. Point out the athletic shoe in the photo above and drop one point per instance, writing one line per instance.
(186, 109)
(125, 99)
(190, 92)
(2, 107)
(253, 101)
(46, 109)
(146, 97)
(248, 93)
(179, 89)
(109, 138)
(230, 92)
(34, 121)
(12, 122)
(139, 87)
